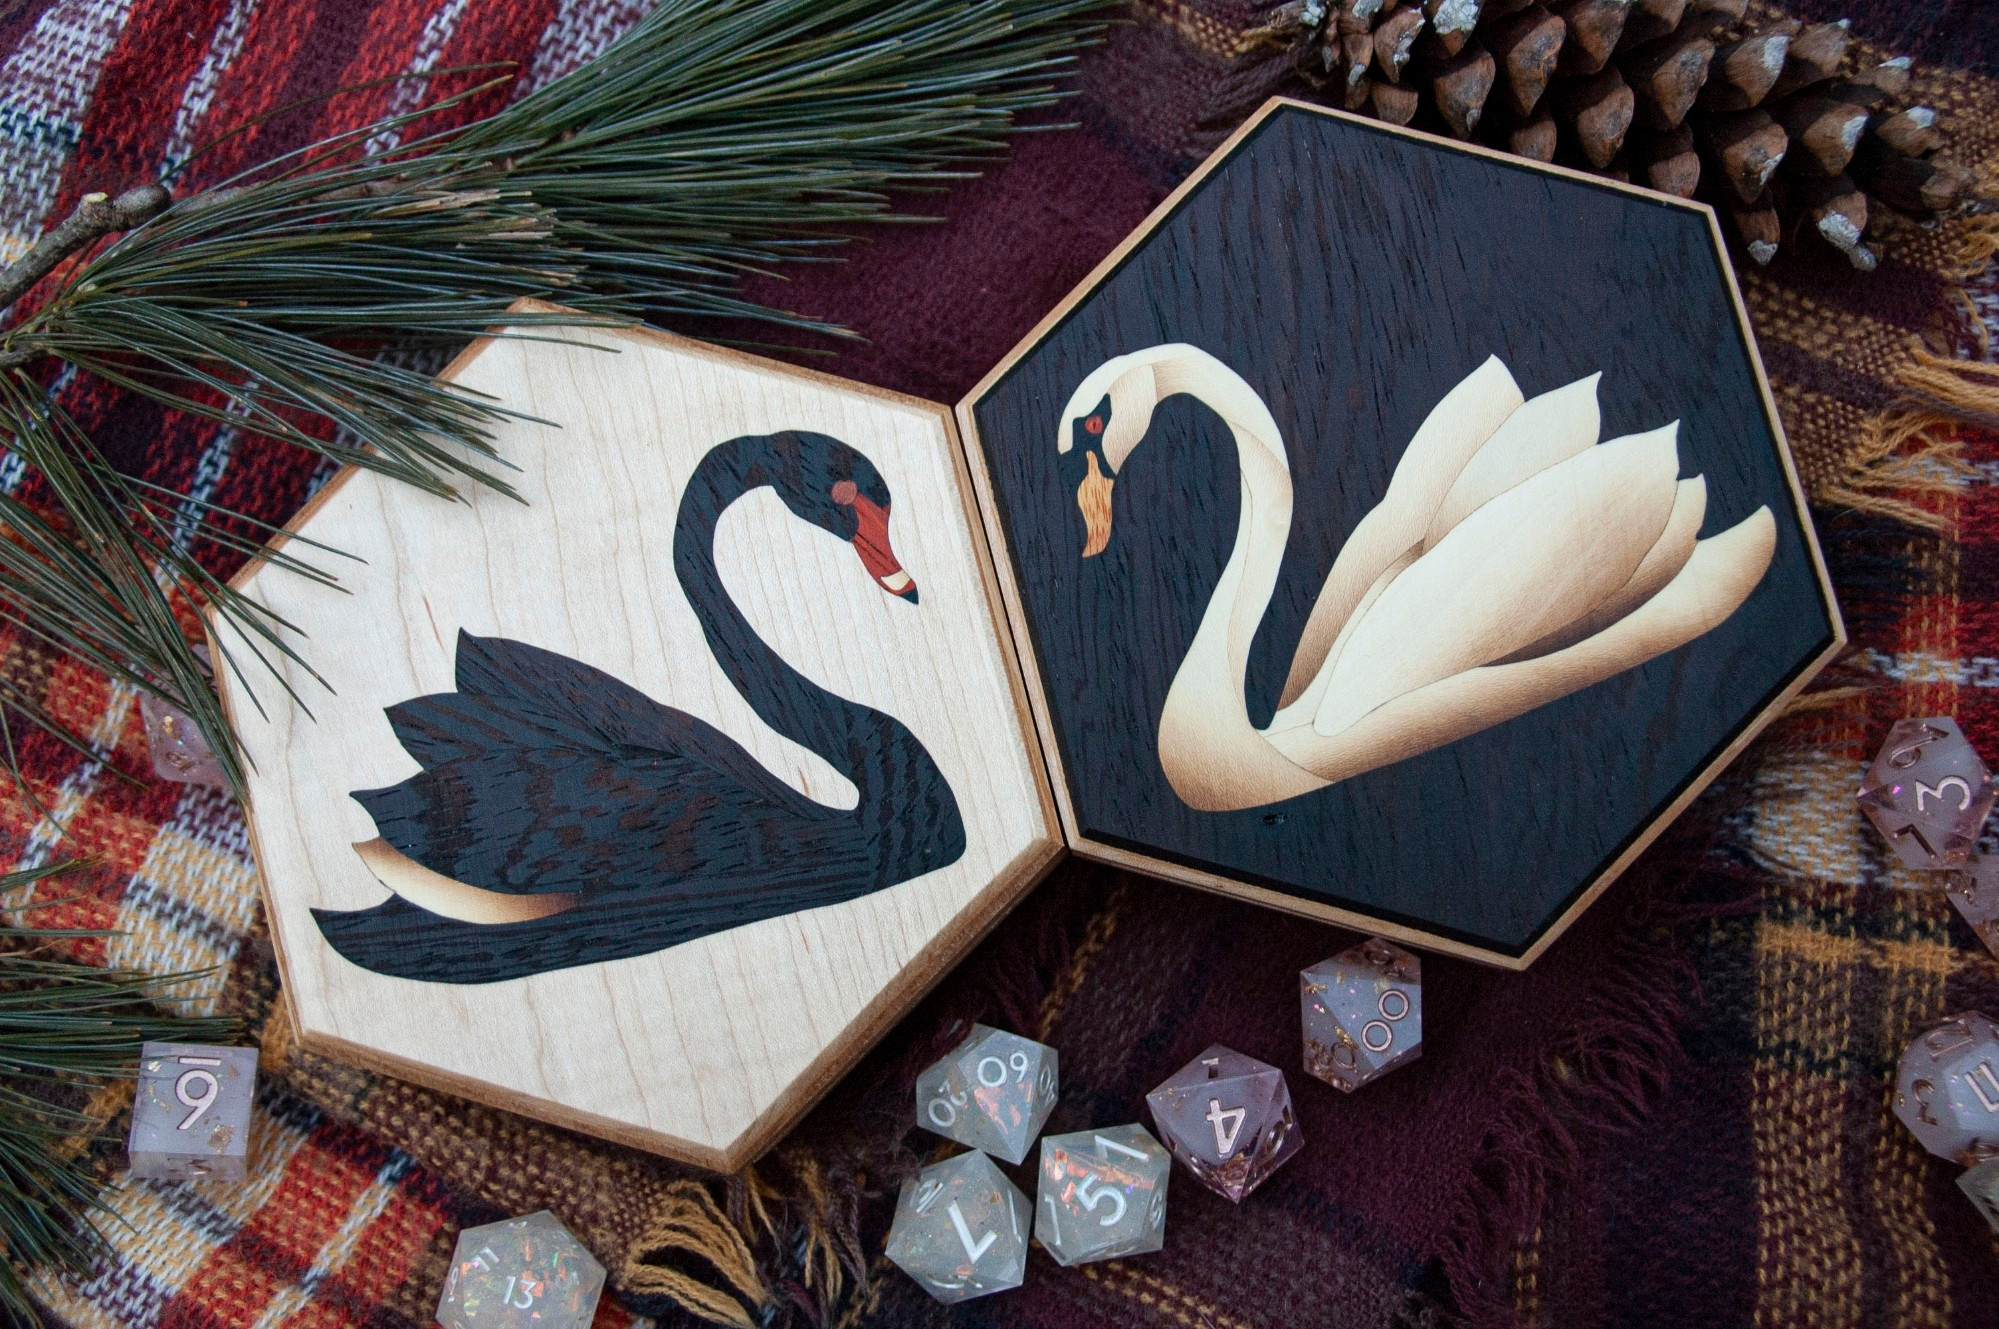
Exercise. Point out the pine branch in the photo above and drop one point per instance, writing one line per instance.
(717, 138)
(65, 1027)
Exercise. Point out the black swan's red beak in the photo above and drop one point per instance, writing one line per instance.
(871, 543)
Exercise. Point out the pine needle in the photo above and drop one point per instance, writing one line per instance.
(718, 138)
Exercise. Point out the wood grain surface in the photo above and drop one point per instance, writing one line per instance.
(1351, 274)
(706, 1049)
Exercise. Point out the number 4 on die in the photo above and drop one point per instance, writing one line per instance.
(191, 1114)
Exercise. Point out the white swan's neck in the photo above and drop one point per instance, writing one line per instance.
(1213, 756)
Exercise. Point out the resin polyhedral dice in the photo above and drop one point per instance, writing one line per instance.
(523, 1273)
(191, 1112)
(992, 1092)
(1928, 793)
(1947, 1088)
(178, 750)
(1102, 1194)
(961, 1229)
(1363, 1013)
(1982, 1185)
(1228, 1119)
(1974, 890)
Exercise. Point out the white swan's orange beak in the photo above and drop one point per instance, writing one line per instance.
(877, 555)
(1093, 496)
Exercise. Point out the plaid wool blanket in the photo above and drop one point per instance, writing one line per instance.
(1679, 1116)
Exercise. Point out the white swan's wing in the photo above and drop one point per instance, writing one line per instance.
(1453, 432)
(1532, 560)
(1712, 585)
(1546, 431)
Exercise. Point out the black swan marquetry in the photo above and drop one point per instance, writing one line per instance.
(562, 817)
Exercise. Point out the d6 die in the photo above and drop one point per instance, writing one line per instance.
(522, 1273)
(960, 1229)
(1102, 1194)
(1947, 1088)
(1227, 1118)
(1928, 793)
(1974, 890)
(191, 1114)
(1363, 1013)
(1982, 1185)
(992, 1092)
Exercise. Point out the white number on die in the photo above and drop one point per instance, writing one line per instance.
(1227, 1123)
(184, 1086)
(1093, 1190)
(1926, 791)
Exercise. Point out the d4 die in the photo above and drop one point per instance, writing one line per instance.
(521, 1273)
(991, 1092)
(191, 1113)
(1363, 1013)
(1947, 1088)
(1102, 1194)
(1928, 793)
(1228, 1119)
(961, 1229)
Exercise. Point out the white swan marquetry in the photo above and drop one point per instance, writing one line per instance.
(1513, 560)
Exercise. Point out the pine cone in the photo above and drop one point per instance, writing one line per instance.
(1692, 97)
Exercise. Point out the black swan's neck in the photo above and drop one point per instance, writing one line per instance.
(873, 750)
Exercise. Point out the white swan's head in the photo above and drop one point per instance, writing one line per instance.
(1106, 417)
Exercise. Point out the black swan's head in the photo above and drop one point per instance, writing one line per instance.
(834, 487)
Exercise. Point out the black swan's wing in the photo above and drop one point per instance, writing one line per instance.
(544, 774)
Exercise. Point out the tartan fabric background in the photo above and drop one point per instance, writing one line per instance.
(1680, 1114)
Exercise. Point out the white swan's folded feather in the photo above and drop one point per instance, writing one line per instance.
(1714, 582)
(1546, 431)
(1520, 567)
(1449, 437)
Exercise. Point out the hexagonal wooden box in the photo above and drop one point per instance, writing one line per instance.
(1397, 532)
(1390, 532)
(644, 805)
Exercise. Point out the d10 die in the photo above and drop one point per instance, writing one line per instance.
(1982, 1185)
(992, 1092)
(1974, 890)
(1947, 1088)
(960, 1229)
(191, 1114)
(1363, 1013)
(523, 1273)
(1928, 793)
(1228, 1118)
(1102, 1194)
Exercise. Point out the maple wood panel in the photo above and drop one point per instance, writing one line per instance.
(709, 1048)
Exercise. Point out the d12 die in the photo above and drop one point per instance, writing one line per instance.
(992, 1092)
(960, 1229)
(1982, 1185)
(1974, 890)
(1228, 1118)
(523, 1273)
(1928, 793)
(1102, 1194)
(1363, 1013)
(191, 1113)
(1947, 1088)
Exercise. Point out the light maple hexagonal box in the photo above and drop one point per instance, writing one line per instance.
(644, 804)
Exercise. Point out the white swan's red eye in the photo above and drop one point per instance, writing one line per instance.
(844, 492)
(1095, 424)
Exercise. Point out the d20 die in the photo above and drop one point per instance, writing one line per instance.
(1363, 1013)
(1228, 1118)
(1974, 891)
(1982, 1185)
(1928, 793)
(191, 1114)
(1947, 1088)
(992, 1092)
(961, 1229)
(521, 1273)
(1102, 1194)
(178, 750)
